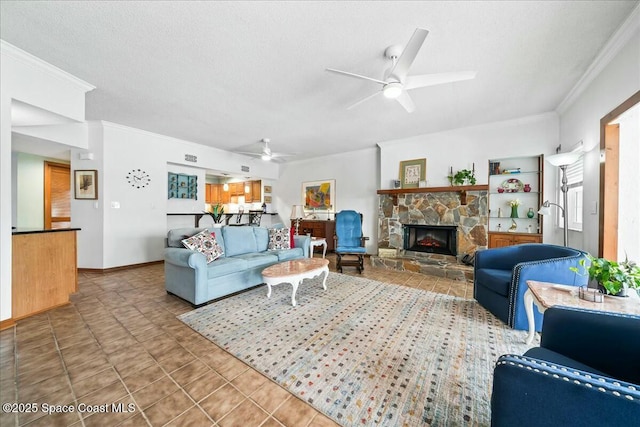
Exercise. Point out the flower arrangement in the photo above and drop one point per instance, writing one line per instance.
(514, 203)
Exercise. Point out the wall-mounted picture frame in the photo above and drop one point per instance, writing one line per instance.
(267, 189)
(86, 184)
(319, 195)
(267, 199)
(412, 172)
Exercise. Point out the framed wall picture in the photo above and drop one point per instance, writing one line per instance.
(267, 189)
(412, 172)
(86, 184)
(319, 195)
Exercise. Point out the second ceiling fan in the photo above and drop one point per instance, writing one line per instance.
(396, 81)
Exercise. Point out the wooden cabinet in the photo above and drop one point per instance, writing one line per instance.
(44, 271)
(318, 228)
(213, 193)
(255, 191)
(498, 240)
(514, 178)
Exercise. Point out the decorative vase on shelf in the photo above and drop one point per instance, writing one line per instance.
(527, 188)
(514, 212)
(530, 213)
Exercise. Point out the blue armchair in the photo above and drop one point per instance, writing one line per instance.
(501, 274)
(585, 372)
(349, 240)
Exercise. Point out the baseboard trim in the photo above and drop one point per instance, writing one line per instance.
(7, 323)
(120, 268)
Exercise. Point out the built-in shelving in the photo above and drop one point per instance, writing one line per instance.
(527, 229)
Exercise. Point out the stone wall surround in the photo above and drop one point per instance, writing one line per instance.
(431, 208)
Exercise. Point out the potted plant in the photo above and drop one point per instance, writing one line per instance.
(216, 213)
(615, 278)
(462, 177)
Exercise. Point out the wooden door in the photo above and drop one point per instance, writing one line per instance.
(57, 195)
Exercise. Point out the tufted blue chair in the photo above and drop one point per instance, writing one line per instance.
(501, 274)
(349, 240)
(585, 373)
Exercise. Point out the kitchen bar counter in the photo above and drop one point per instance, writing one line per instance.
(44, 270)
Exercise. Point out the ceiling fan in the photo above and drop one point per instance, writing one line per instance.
(396, 82)
(266, 154)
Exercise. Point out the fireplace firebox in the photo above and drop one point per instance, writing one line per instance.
(437, 239)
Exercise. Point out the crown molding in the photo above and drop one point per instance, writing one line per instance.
(619, 39)
(35, 62)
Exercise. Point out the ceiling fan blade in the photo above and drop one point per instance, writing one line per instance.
(363, 100)
(281, 155)
(358, 76)
(250, 153)
(413, 82)
(405, 100)
(409, 54)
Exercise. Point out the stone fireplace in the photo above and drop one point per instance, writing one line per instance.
(405, 214)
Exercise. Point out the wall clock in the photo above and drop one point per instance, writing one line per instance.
(138, 178)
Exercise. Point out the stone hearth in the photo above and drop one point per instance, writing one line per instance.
(431, 208)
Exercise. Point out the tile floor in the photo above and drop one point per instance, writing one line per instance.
(119, 341)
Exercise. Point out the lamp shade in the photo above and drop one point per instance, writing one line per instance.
(545, 210)
(563, 159)
(297, 212)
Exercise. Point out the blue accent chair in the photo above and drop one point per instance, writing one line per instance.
(501, 274)
(349, 240)
(585, 373)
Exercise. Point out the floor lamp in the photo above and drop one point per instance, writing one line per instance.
(561, 160)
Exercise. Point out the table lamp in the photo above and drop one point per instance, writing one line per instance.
(297, 213)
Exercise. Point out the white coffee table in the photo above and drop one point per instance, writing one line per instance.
(318, 241)
(295, 272)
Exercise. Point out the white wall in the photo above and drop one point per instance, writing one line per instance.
(461, 148)
(613, 83)
(134, 232)
(356, 175)
(32, 81)
(629, 198)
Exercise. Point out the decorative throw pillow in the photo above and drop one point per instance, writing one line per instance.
(279, 238)
(205, 243)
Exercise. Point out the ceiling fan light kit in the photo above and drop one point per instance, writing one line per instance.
(397, 82)
(392, 90)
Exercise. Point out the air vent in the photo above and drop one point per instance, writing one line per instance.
(244, 168)
(191, 158)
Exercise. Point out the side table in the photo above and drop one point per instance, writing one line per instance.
(545, 295)
(318, 241)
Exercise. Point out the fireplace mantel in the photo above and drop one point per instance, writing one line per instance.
(462, 189)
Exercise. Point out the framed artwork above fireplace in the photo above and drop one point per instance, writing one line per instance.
(412, 172)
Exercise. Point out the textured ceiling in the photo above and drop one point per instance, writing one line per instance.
(227, 74)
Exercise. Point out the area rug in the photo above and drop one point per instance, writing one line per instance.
(365, 352)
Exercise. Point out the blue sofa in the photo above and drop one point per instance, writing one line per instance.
(188, 276)
(501, 274)
(585, 373)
